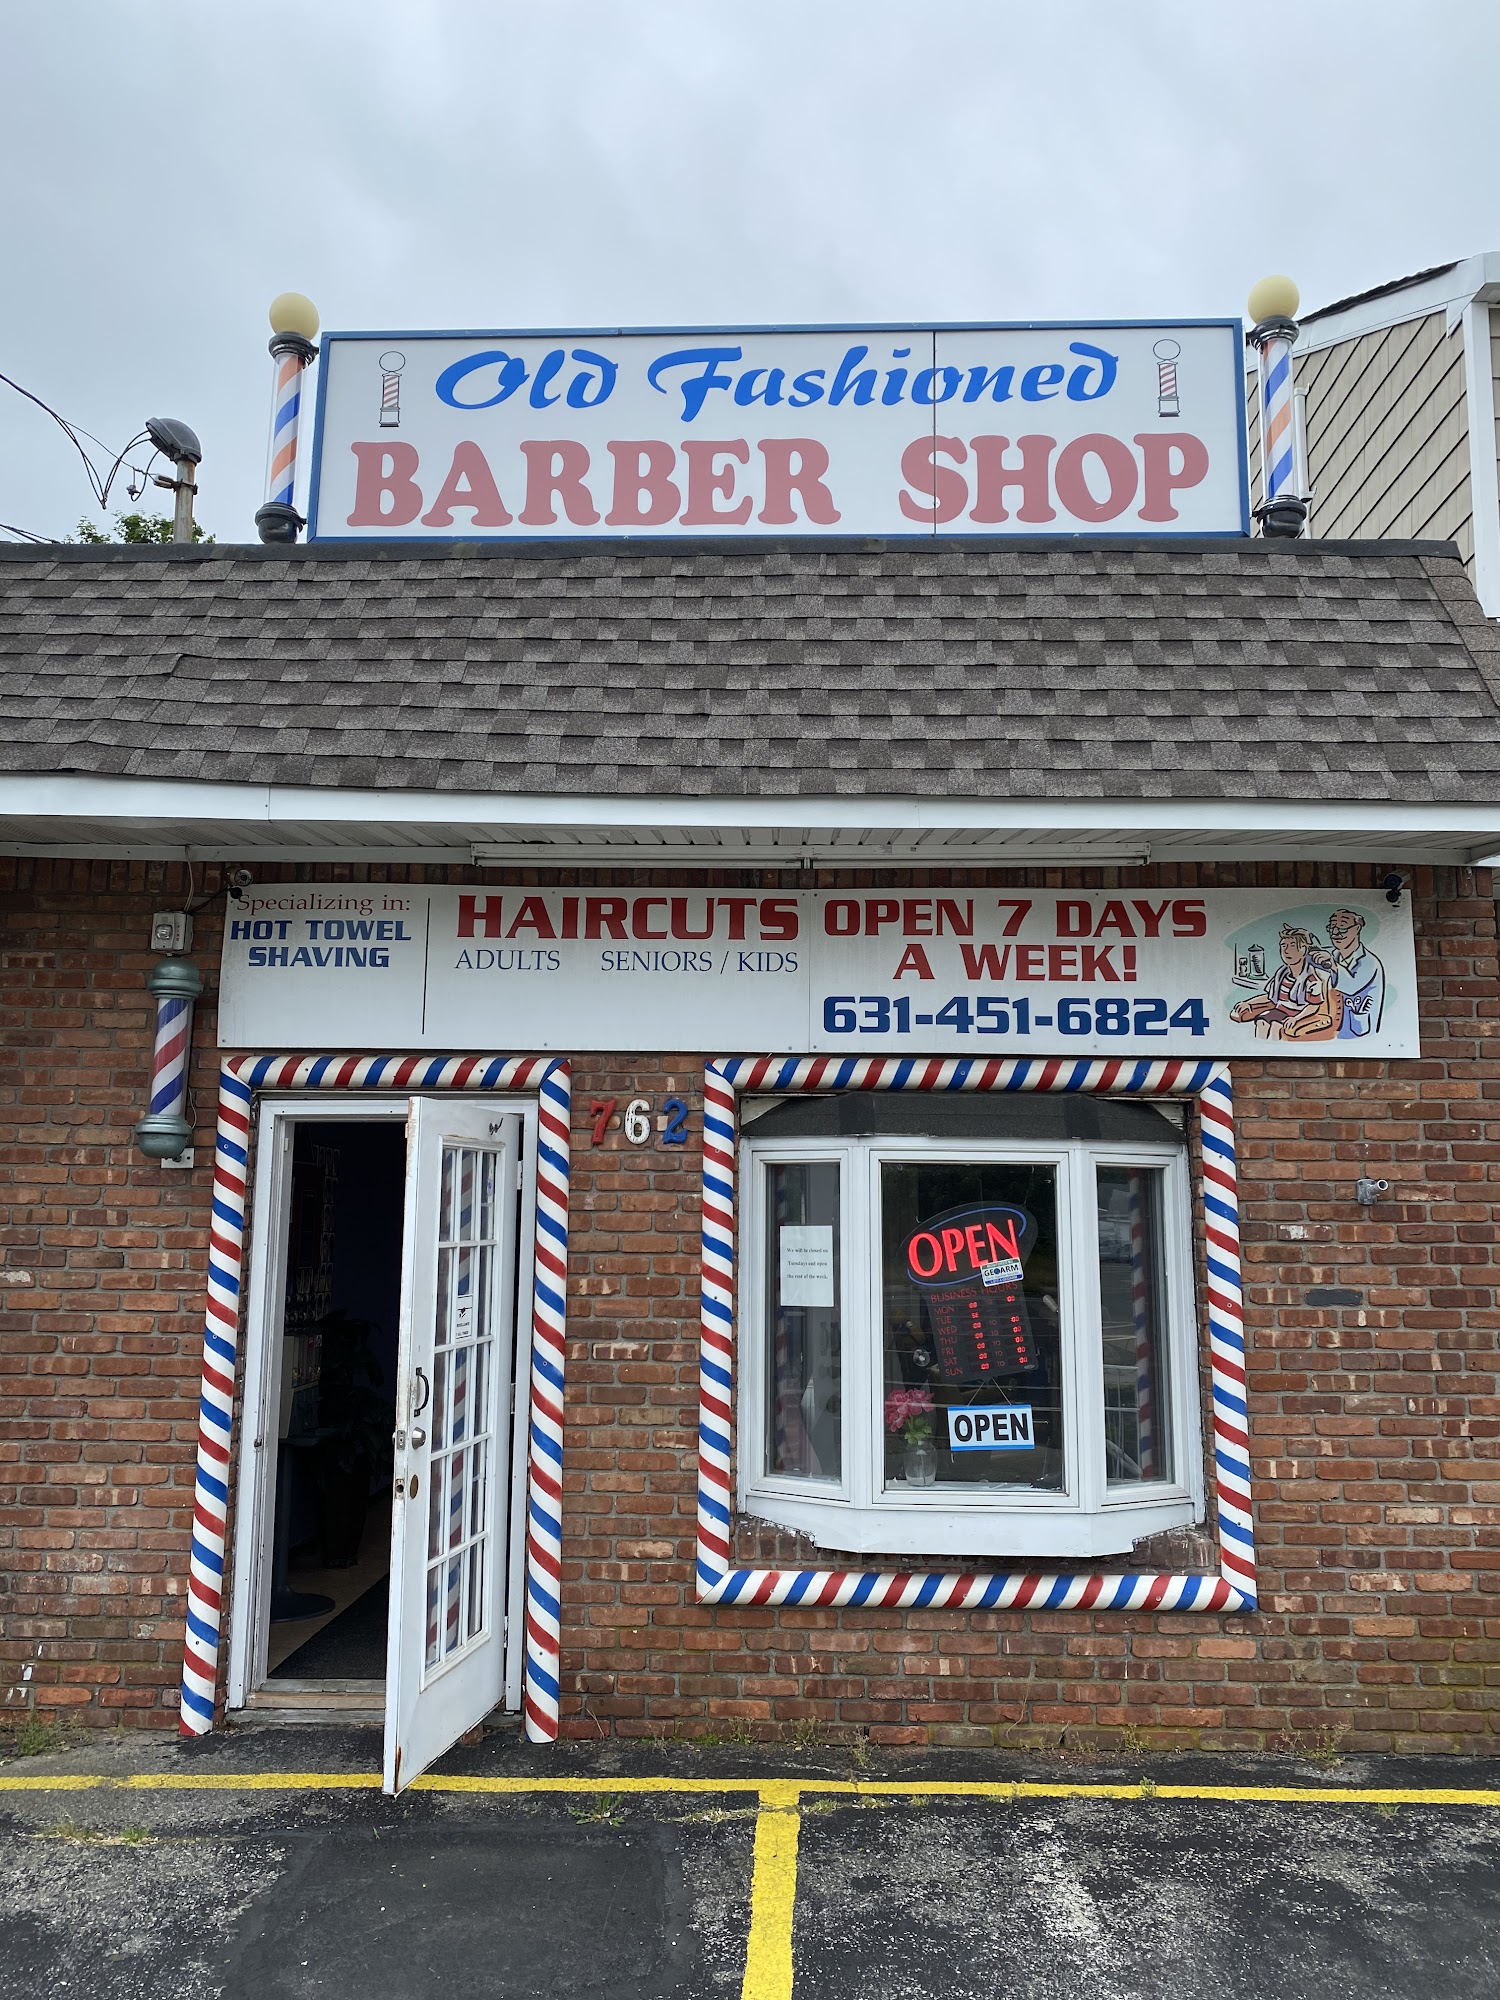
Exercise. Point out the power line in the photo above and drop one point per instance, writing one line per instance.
(74, 432)
(25, 535)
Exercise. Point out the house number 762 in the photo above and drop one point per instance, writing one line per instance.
(636, 1121)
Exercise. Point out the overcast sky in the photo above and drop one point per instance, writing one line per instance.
(172, 164)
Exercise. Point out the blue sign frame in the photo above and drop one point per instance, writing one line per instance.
(922, 538)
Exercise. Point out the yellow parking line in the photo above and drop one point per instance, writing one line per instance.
(773, 1894)
(786, 1791)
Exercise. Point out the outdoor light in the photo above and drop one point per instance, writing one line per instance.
(294, 314)
(179, 442)
(294, 324)
(175, 440)
(1274, 298)
(1283, 509)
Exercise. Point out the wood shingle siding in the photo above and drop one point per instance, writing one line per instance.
(1387, 424)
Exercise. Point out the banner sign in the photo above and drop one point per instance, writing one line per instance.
(965, 972)
(1098, 428)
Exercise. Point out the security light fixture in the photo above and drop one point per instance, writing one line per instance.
(174, 440)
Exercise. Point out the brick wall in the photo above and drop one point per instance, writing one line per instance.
(1374, 1428)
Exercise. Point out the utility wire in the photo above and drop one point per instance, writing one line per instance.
(74, 433)
(25, 535)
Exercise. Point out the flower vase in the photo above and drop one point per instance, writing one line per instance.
(919, 1462)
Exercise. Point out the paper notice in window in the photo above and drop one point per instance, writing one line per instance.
(807, 1264)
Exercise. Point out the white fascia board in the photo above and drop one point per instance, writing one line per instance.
(1450, 292)
(1374, 846)
(197, 805)
(1484, 476)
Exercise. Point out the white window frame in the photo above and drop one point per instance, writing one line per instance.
(1090, 1516)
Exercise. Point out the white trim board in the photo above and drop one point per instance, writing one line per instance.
(194, 806)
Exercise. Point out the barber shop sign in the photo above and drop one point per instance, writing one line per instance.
(981, 430)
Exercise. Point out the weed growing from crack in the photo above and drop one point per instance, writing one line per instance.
(37, 1737)
(598, 1809)
(93, 1836)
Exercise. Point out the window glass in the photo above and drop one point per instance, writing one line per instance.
(803, 1431)
(972, 1392)
(1132, 1310)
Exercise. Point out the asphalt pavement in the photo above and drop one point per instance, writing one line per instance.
(266, 1862)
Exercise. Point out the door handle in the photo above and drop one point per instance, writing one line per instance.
(418, 1438)
(426, 1396)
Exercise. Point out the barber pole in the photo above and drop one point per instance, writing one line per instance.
(294, 322)
(1283, 507)
(1140, 1312)
(166, 1132)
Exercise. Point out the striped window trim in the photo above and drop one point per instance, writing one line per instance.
(718, 1583)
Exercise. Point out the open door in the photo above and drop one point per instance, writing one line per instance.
(445, 1655)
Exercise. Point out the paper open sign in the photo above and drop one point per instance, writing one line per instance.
(1004, 1271)
(991, 1427)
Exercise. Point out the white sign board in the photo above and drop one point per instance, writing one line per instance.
(978, 973)
(1096, 428)
(990, 1427)
(806, 1275)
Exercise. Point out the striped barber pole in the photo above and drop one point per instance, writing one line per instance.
(1277, 418)
(286, 420)
(1140, 1313)
(239, 1079)
(169, 1058)
(544, 1495)
(1232, 1590)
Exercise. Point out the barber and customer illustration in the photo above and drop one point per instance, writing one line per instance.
(1319, 992)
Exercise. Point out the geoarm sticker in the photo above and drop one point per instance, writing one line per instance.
(1004, 1271)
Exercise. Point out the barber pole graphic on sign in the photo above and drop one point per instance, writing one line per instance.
(962, 430)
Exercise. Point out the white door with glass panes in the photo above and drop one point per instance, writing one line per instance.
(446, 1646)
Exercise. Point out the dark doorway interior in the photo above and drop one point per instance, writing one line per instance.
(331, 1553)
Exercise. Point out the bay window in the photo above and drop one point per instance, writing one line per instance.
(967, 1327)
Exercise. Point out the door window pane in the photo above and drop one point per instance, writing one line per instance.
(972, 1393)
(1133, 1312)
(461, 1421)
(804, 1420)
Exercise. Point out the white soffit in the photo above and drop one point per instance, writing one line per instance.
(104, 818)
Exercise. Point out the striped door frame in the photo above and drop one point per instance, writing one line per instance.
(719, 1583)
(240, 1078)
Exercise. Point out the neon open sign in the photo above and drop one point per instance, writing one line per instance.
(967, 1265)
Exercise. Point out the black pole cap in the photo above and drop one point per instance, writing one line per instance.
(1285, 517)
(277, 522)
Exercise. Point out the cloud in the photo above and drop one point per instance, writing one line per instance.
(169, 167)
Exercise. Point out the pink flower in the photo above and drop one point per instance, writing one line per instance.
(905, 1407)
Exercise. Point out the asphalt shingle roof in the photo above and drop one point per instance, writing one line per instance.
(1228, 669)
